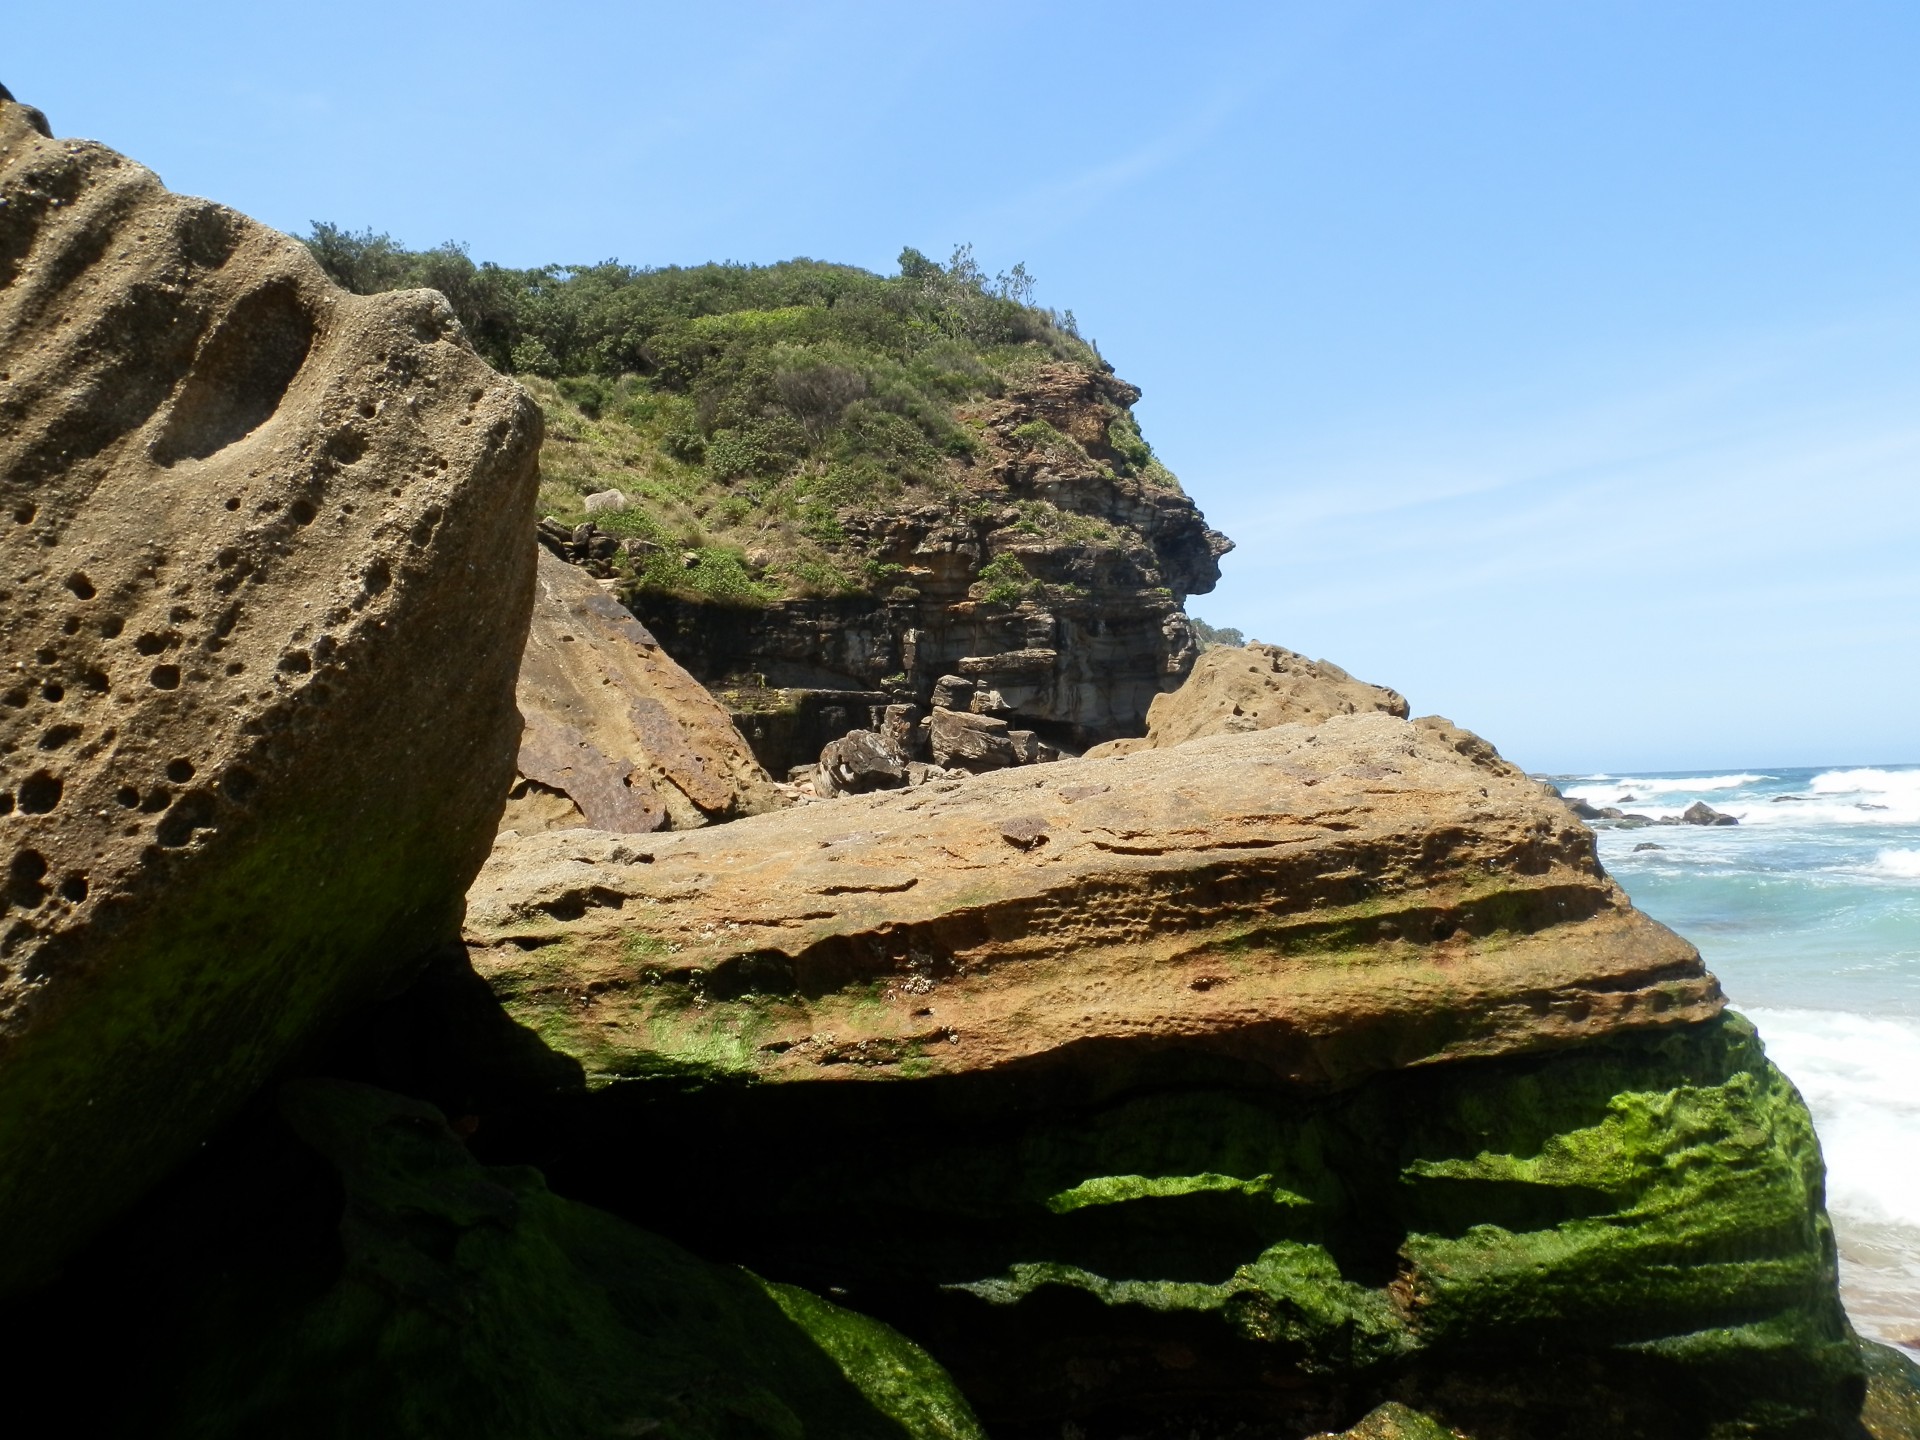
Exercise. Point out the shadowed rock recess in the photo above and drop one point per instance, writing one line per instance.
(1266, 1078)
(265, 572)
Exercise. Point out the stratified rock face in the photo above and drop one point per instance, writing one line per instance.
(618, 737)
(1075, 916)
(1269, 1076)
(1077, 631)
(1232, 690)
(265, 575)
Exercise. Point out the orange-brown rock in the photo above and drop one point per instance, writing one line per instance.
(618, 737)
(1233, 689)
(1308, 905)
(265, 570)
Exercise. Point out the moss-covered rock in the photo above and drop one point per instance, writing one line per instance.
(1394, 1421)
(454, 1299)
(1624, 1240)
(1892, 1411)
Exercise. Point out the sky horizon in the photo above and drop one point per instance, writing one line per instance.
(1556, 366)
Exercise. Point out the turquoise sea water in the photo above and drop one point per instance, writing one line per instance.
(1809, 912)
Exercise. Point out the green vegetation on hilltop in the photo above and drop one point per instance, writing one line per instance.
(743, 409)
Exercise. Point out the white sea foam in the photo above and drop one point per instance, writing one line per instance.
(1610, 790)
(1860, 1076)
(1896, 864)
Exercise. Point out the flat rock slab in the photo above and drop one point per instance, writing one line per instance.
(265, 571)
(1304, 905)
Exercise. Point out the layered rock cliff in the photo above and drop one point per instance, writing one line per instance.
(266, 572)
(1054, 576)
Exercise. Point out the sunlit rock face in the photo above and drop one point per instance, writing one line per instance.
(265, 569)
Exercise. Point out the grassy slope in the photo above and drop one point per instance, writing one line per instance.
(749, 411)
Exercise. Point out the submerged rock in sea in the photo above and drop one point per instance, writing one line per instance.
(1274, 1076)
(618, 737)
(267, 571)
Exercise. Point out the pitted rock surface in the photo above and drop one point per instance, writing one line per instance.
(265, 573)
(619, 737)
(1233, 689)
(1307, 905)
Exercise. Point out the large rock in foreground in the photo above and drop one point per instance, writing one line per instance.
(618, 737)
(1271, 1077)
(1234, 689)
(266, 577)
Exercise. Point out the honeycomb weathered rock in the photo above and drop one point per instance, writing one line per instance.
(265, 571)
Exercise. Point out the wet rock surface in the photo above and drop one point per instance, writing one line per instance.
(264, 566)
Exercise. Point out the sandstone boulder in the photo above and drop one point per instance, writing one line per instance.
(618, 737)
(1366, 832)
(961, 740)
(266, 574)
(1233, 689)
(1272, 1075)
(859, 761)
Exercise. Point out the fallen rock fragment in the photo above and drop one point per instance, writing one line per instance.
(859, 761)
(618, 737)
(267, 570)
(960, 740)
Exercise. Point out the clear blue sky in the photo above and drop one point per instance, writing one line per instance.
(1558, 364)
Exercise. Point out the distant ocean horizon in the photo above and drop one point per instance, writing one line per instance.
(1809, 912)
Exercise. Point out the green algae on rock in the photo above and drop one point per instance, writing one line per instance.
(471, 1301)
(1892, 1411)
(1394, 1421)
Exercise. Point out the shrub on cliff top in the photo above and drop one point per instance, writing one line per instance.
(758, 409)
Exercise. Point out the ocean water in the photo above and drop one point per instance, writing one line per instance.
(1809, 912)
